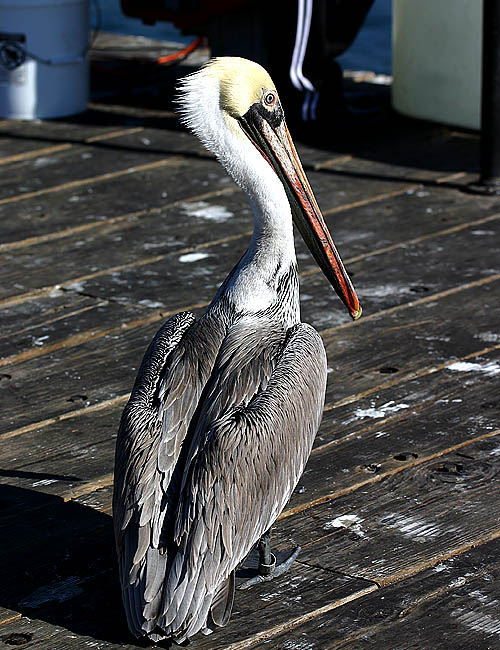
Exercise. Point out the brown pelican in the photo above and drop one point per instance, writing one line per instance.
(224, 410)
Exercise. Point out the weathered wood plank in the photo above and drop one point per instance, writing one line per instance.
(274, 620)
(61, 319)
(23, 631)
(407, 521)
(364, 498)
(15, 338)
(70, 580)
(137, 240)
(76, 130)
(8, 616)
(315, 306)
(40, 180)
(351, 544)
(443, 391)
(434, 264)
(12, 151)
(331, 163)
(85, 369)
(424, 267)
(93, 125)
(33, 186)
(63, 549)
(460, 614)
(144, 237)
(358, 444)
(15, 151)
(108, 196)
(359, 168)
(355, 541)
(412, 143)
(160, 143)
(103, 151)
(453, 605)
(410, 341)
(418, 425)
(36, 176)
(23, 139)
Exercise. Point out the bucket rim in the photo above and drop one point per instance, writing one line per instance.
(39, 4)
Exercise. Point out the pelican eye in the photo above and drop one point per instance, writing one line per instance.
(270, 99)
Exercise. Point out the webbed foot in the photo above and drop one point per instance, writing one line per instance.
(267, 569)
(267, 572)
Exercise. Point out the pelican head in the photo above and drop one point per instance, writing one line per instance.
(232, 103)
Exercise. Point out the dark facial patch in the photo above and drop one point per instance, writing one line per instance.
(258, 111)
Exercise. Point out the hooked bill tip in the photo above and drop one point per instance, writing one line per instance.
(356, 314)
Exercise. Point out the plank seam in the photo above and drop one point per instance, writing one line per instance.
(374, 199)
(435, 593)
(328, 164)
(84, 227)
(11, 619)
(96, 333)
(415, 240)
(441, 591)
(43, 291)
(311, 565)
(392, 472)
(96, 224)
(298, 620)
(106, 480)
(30, 241)
(109, 403)
(130, 110)
(122, 398)
(27, 155)
(100, 137)
(67, 232)
(400, 415)
(63, 314)
(458, 550)
(89, 487)
(385, 582)
(35, 153)
(164, 162)
(274, 631)
(413, 303)
(416, 374)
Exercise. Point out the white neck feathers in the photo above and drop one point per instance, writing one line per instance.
(272, 241)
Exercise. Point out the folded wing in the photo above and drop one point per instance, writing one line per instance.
(254, 436)
(211, 445)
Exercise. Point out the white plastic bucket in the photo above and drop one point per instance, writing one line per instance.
(53, 81)
(436, 60)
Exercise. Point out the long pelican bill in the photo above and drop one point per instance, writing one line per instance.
(276, 145)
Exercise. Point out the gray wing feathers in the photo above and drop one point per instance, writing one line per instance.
(247, 405)
(142, 473)
(262, 410)
(222, 604)
(139, 424)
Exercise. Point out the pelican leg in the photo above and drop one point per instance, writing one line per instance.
(268, 569)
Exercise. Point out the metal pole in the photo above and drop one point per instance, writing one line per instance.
(490, 99)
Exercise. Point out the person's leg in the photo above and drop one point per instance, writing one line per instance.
(272, 34)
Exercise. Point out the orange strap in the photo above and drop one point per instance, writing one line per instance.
(181, 53)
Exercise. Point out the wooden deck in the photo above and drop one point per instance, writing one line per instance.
(113, 220)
